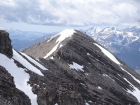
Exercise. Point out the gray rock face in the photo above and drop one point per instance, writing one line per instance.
(9, 94)
(79, 73)
(5, 44)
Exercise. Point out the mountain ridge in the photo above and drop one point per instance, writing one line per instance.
(78, 55)
(79, 71)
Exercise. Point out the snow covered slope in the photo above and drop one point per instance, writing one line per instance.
(21, 77)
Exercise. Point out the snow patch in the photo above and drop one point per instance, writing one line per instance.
(87, 103)
(60, 46)
(135, 92)
(76, 66)
(131, 75)
(108, 54)
(99, 88)
(63, 35)
(25, 63)
(87, 74)
(83, 84)
(88, 54)
(20, 77)
(52, 58)
(33, 61)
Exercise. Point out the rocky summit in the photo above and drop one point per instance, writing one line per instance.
(72, 69)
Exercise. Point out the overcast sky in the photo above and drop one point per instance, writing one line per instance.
(47, 14)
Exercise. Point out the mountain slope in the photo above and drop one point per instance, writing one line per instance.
(21, 68)
(82, 72)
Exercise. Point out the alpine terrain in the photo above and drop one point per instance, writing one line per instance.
(68, 69)
(124, 43)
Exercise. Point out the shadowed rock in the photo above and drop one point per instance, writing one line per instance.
(5, 44)
(9, 94)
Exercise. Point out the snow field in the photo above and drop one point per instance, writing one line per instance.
(76, 66)
(20, 77)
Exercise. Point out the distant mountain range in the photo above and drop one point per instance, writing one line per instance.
(125, 43)
(23, 39)
(117, 40)
(25, 35)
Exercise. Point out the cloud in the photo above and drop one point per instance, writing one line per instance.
(70, 12)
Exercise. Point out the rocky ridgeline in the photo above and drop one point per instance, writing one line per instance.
(79, 73)
(5, 44)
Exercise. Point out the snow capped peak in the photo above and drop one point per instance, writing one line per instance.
(110, 36)
(109, 29)
(132, 28)
(94, 30)
(65, 34)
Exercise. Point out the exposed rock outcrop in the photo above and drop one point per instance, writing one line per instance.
(9, 94)
(5, 44)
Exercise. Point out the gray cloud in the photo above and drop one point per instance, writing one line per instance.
(70, 12)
